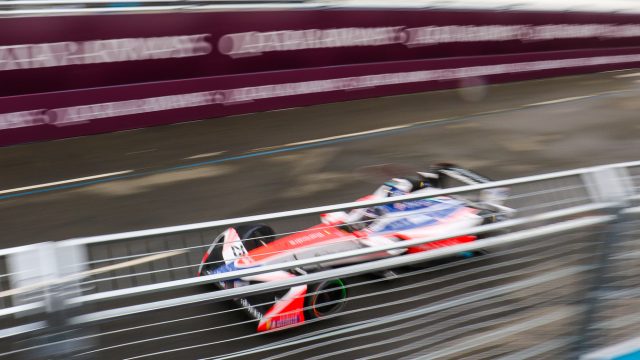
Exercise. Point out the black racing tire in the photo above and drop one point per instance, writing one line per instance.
(255, 235)
(325, 298)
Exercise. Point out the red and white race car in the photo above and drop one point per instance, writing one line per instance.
(250, 246)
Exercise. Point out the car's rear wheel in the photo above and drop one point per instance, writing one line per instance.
(325, 298)
(255, 235)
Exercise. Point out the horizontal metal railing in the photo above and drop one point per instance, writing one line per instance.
(137, 235)
(190, 246)
(561, 208)
(31, 7)
(172, 285)
(351, 270)
(546, 196)
(346, 332)
(536, 247)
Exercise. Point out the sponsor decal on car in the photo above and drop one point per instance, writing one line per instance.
(283, 320)
(309, 237)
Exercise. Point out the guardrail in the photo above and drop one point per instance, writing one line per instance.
(562, 194)
(570, 257)
(21, 7)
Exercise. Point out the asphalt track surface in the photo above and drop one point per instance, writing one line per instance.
(297, 158)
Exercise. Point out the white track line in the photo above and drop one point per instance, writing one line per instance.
(556, 101)
(334, 137)
(63, 182)
(205, 155)
(627, 75)
(140, 151)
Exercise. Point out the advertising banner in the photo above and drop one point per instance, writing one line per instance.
(85, 74)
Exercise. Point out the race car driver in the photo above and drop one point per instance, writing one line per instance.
(359, 218)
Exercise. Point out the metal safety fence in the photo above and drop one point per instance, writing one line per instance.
(60, 7)
(555, 281)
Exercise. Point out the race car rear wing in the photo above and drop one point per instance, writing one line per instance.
(463, 175)
(494, 198)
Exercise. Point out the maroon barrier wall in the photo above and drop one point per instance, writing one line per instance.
(76, 75)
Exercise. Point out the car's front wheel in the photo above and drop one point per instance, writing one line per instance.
(325, 298)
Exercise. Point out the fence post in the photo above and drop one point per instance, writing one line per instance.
(44, 273)
(604, 185)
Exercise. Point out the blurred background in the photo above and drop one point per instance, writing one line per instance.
(134, 115)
